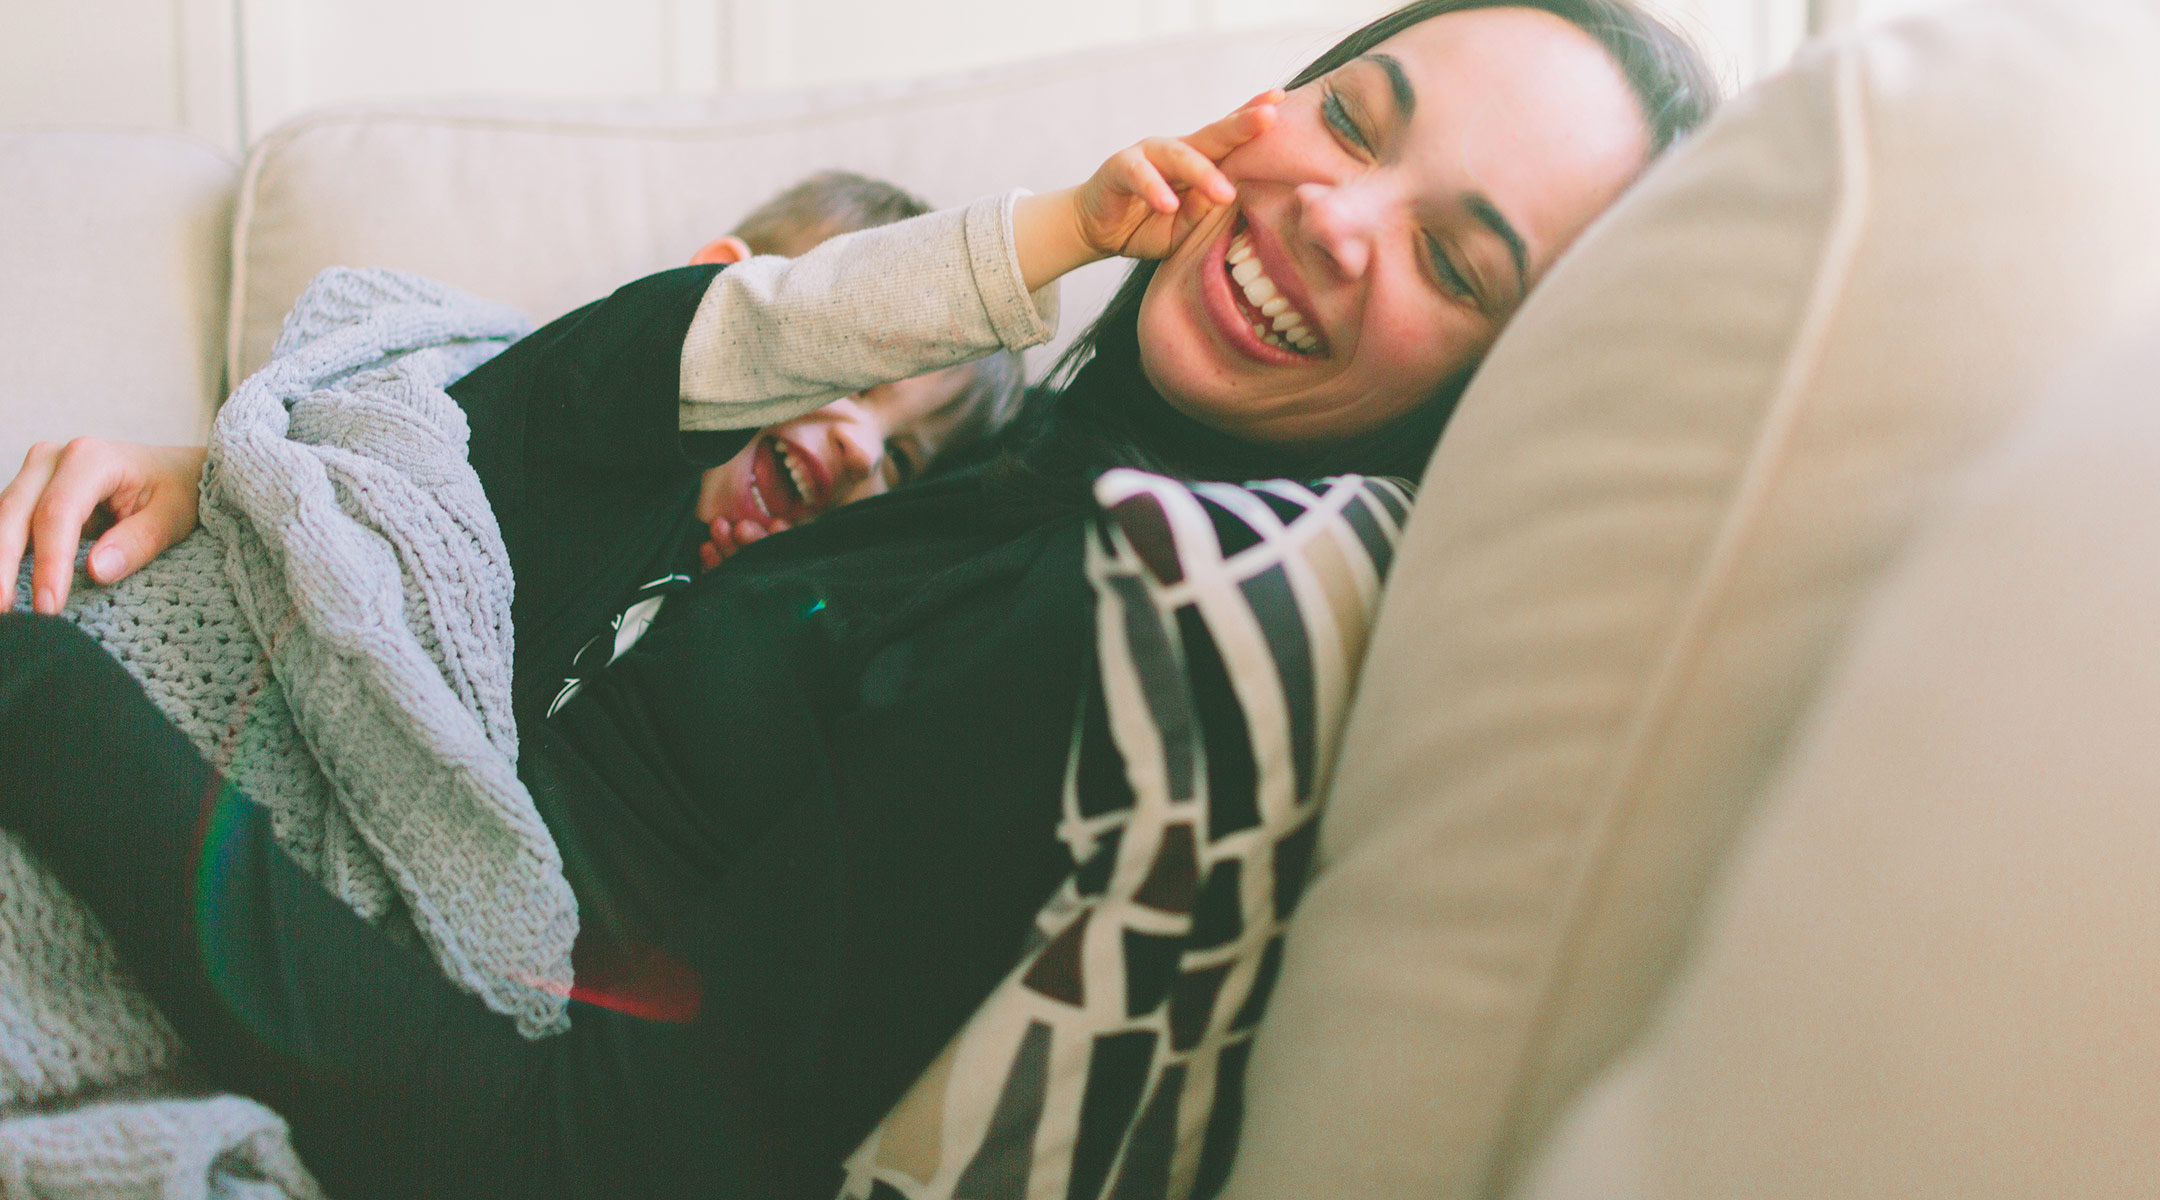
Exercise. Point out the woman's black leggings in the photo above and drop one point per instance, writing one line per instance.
(393, 1081)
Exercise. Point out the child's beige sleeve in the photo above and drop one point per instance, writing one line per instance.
(774, 337)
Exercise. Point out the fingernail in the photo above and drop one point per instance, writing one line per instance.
(105, 563)
(42, 600)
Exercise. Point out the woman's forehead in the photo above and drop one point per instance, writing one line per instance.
(1518, 106)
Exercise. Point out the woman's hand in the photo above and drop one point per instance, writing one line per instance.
(146, 493)
(1141, 203)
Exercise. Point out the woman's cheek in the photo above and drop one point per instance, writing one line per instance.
(1431, 346)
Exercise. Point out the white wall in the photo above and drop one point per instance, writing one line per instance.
(226, 70)
(145, 64)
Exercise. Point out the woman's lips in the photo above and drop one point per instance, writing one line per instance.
(1226, 308)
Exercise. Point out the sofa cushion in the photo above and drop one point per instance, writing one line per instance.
(547, 208)
(114, 294)
(1930, 970)
(1230, 623)
(1660, 504)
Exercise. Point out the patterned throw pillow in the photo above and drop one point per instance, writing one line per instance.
(1230, 622)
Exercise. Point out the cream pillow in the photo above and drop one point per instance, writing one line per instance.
(1657, 511)
(1931, 972)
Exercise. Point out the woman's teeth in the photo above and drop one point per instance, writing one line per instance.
(1289, 331)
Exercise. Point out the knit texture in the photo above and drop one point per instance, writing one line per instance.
(348, 590)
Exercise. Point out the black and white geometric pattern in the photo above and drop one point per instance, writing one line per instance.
(1230, 622)
(621, 633)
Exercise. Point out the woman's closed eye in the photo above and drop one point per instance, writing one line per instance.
(1337, 114)
(1451, 280)
(1337, 111)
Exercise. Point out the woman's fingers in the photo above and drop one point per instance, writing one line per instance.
(134, 541)
(87, 473)
(17, 501)
(50, 504)
(156, 510)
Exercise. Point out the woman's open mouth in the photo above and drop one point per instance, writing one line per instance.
(1252, 310)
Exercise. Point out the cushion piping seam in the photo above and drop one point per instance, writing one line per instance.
(242, 231)
(1840, 251)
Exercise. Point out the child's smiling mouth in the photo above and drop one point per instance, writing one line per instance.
(786, 482)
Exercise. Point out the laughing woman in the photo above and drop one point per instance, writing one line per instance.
(826, 780)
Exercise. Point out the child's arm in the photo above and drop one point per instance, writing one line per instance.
(774, 338)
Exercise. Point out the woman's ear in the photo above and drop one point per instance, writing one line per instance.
(729, 249)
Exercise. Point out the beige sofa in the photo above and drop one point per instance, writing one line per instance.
(1792, 514)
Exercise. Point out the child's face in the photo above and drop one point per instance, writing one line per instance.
(853, 448)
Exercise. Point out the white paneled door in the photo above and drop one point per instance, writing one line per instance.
(136, 64)
(227, 70)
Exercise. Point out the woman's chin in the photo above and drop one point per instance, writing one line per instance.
(1181, 361)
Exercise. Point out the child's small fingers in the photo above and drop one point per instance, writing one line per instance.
(1187, 167)
(1218, 138)
(708, 555)
(1139, 175)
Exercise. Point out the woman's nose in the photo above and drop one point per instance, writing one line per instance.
(1341, 220)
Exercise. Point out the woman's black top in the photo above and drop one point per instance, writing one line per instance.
(827, 780)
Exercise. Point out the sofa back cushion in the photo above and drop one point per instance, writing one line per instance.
(1928, 972)
(1682, 468)
(547, 212)
(113, 298)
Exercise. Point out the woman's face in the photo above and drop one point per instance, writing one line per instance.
(1388, 224)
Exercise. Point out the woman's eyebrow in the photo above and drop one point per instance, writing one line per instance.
(1490, 217)
(1398, 83)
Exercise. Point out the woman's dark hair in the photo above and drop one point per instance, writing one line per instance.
(1099, 411)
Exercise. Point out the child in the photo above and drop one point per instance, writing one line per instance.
(859, 445)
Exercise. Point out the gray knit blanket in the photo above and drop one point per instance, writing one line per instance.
(335, 638)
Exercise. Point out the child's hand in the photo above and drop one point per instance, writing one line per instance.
(1142, 202)
(728, 537)
(1147, 197)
